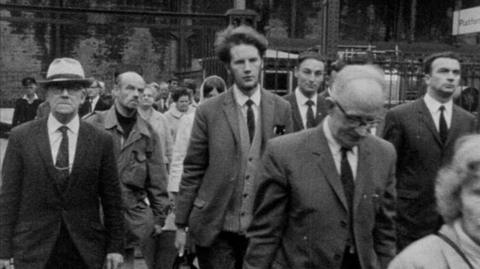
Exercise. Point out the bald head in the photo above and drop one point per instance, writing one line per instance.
(128, 87)
(360, 86)
(129, 77)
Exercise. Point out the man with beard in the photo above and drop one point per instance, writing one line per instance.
(308, 107)
(424, 133)
(142, 169)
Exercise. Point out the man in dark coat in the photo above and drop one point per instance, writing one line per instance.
(326, 196)
(95, 100)
(58, 172)
(424, 133)
(308, 107)
(228, 136)
(26, 107)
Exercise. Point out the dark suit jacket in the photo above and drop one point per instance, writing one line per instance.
(33, 206)
(102, 105)
(301, 214)
(297, 118)
(213, 160)
(411, 129)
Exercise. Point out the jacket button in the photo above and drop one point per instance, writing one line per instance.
(247, 177)
(337, 257)
(343, 224)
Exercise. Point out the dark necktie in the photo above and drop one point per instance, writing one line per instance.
(443, 130)
(62, 163)
(88, 103)
(250, 119)
(310, 117)
(346, 177)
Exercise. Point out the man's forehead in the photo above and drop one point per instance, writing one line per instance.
(312, 64)
(444, 62)
(244, 50)
(132, 79)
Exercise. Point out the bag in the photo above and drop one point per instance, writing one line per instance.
(184, 262)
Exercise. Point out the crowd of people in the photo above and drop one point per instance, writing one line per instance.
(238, 177)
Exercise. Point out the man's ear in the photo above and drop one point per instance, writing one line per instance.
(295, 71)
(426, 78)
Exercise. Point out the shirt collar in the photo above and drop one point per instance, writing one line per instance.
(302, 99)
(53, 124)
(433, 105)
(241, 98)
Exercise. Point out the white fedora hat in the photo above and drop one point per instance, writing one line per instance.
(66, 70)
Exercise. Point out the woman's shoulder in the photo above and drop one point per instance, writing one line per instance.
(424, 253)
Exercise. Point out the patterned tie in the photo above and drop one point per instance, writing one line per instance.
(346, 177)
(310, 117)
(443, 129)
(250, 119)
(62, 163)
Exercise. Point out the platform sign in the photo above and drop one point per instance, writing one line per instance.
(466, 21)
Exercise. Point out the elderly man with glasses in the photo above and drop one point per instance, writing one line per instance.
(326, 196)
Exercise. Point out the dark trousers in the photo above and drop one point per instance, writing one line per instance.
(65, 254)
(160, 251)
(350, 261)
(226, 252)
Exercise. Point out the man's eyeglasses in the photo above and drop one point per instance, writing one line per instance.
(358, 121)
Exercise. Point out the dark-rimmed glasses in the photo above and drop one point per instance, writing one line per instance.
(357, 121)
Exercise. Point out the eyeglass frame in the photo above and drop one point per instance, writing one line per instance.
(357, 121)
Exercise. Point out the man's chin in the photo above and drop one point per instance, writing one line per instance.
(446, 93)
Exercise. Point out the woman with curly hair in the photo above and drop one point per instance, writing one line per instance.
(457, 191)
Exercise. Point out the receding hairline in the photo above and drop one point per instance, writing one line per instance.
(352, 73)
(121, 77)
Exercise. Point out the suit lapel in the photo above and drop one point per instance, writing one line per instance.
(363, 172)
(321, 105)
(230, 110)
(323, 158)
(297, 118)
(43, 144)
(455, 126)
(267, 114)
(427, 119)
(84, 143)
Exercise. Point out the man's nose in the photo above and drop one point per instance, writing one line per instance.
(248, 67)
(362, 130)
(64, 92)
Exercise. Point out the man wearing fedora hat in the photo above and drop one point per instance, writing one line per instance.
(141, 166)
(58, 172)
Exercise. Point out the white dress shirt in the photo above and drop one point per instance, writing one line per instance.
(241, 99)
(302, 106)
(55, 137)
(434, 108)
(352, 155)
(93, 102)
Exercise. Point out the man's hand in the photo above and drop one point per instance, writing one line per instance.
(180, 240)
(6, 264)
(113, 260)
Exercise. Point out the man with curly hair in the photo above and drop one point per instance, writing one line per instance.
(229, 134)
